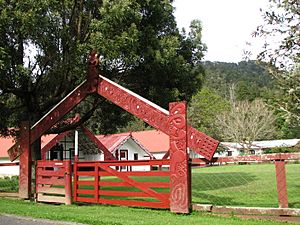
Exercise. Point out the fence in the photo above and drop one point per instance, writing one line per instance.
(133, 183)
(9, 181)
(54, 181)
(270, 180)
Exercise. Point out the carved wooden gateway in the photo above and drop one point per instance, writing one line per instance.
(172, 122)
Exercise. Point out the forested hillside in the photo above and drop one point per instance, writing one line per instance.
(250, 79)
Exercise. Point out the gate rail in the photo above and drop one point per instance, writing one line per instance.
(105, 182)
(53, 181)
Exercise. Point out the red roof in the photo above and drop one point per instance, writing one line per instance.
(150, 140)
(153, 140)
(7, 142)
(112, 141)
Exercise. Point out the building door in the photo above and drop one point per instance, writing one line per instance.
(123, 156)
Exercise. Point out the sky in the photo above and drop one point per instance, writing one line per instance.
(227, 25)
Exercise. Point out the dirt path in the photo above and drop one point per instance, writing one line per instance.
(6, 219)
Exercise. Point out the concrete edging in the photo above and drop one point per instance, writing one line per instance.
(247, 210)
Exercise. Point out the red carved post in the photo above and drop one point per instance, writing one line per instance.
(281, 184)
(68, 182)
(25, 162)
(180, 200)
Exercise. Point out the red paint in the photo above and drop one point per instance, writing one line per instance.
(53, 116)
(100, 145)
(105, 168)
(9, 164)
(281, 184)
(49, 174)
(180, 201)
(25, 162)
(154, 116)
(52, 143)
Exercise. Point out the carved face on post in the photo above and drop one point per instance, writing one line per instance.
(94, 58)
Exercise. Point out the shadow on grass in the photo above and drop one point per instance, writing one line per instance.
(214, 200)
(213, 181)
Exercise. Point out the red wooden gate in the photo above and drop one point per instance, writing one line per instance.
(53, 181)
(100, 182)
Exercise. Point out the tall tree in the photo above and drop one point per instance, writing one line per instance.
(246, 122)
(203, 109)
(281, 24)
(282, 20)
(44, 46)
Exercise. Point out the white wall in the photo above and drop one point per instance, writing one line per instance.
(159, 155)
(132, 148)
(9, 170)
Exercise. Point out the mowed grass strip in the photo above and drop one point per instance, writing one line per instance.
(114, 215)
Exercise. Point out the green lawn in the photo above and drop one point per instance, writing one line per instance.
(244, 185)
(114, 215)
(235, 185)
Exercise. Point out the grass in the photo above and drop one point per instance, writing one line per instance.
(244, 185)
(236, 185)
(113, 215)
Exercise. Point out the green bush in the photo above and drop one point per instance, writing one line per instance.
(9, 184)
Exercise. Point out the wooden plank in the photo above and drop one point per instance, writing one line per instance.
(85, 191)
(136, 184)
(154, 115)
(125, 184)
(52, 117)
(50, 173)
(139, 173)
(107, 154)
(84, 199)
(85, 173)
(48, 163)
(51, 181)
(49, 198)
(9, 164)
(51, 190)
(135, 203)
(52, 143)
(129, 193)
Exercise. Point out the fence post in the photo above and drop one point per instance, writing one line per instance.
(68, 182)
(25, 161)
(75, 181)
(281, 184)
(180, 200)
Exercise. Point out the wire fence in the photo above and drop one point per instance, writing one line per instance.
(248, 183)
(232, 181)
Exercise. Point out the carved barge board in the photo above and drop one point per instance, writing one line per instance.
(154, 115)
(52, 117)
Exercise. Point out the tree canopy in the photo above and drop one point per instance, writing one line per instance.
(282, 20)
(44, 45)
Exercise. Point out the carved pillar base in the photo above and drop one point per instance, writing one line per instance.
(180, 198)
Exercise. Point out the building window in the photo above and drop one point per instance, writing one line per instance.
(229, 153)
(123, 154)
(135, 156)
